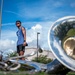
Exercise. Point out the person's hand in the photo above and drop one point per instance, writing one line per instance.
(24, 44)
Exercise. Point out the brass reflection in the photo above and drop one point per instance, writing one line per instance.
(69, 46)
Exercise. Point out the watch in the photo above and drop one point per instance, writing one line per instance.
(24, 40)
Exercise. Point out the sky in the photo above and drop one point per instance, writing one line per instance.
(36, 16)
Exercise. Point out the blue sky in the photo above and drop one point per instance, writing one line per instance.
(36, 16)
(36, 10)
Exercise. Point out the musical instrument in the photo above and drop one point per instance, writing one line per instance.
(61, 40)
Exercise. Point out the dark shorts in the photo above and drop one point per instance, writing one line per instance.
(20, 48)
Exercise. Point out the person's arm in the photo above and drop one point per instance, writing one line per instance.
(24, 34)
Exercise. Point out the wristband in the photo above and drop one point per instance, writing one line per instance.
(24, 40)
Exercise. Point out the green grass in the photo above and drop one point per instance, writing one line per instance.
(42, 59)
(22, 73)
(71, 73)
(27, 73)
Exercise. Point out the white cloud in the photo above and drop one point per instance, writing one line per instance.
(38, 26)
(32, 33)
(8, 24)
(8, 34)
(43, 28)
(7, 44)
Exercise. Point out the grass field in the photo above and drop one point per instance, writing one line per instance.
(29, 73)
(22, 73)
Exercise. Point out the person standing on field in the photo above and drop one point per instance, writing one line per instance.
(21, 42)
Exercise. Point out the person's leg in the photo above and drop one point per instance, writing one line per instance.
(21, 54)
(21, 51)
(18, 49)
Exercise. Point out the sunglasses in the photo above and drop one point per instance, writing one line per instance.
(17, 23)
